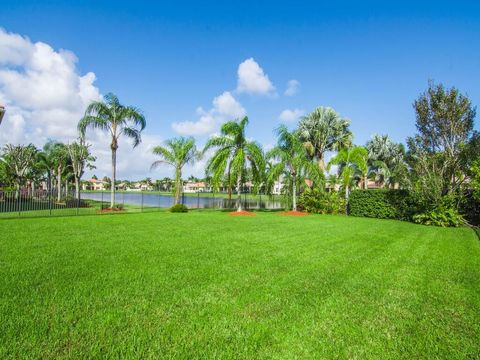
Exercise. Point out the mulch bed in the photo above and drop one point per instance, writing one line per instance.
(293, 213)
(110, 210)
(241, 213)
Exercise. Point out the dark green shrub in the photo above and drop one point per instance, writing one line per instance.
(321, 202)
(445, 217)
(381, 204)
(179, 208)
(469, 208)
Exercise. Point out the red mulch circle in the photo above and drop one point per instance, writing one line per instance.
(293, 213)
(110, 210)
(241, 213)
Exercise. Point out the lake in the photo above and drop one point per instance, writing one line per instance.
(146, 199)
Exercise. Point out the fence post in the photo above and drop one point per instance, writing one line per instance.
(198, 200)
(101, 203)
(141, 210)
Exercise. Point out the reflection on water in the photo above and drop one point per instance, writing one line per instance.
(195, 201)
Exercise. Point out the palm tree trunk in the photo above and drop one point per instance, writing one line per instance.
(294, 192)
(365, 180)
(114, 177)
(77, 188)
(66, 188)
(239, 193)
(178, 180)
(347, 196)
(59, 183)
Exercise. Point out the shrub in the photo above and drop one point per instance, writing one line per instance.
(445, 217)
(470, 208)
(320, 202)
(179, 208)
(381, 204)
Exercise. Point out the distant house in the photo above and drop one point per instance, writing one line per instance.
(94, 184)
(277, 188)
(195, 187)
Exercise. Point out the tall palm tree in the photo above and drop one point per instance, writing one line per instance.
(60, 158)
(352, 162)
(177, 152)
(289, 157)
(324, 130)
(111, 116)
(234, 153)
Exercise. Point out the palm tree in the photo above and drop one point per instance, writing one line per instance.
(234, 153)
(352, 162)
(386, 160)
(324, 130)
(80, 158)
(116, 119)
(60, 159)
(19, 160)
(177, 152)
(289, 157)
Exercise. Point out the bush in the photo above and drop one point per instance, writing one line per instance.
(381, 204)
(179, 208)
(470, 208)
(445, 217)
(320, 202)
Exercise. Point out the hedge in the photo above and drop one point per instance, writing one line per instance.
(381, 204)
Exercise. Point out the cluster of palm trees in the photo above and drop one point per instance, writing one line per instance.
(56, 164)
(298, 160)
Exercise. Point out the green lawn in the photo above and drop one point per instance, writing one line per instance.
(208, 285)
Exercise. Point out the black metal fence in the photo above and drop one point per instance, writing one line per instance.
(51, 203)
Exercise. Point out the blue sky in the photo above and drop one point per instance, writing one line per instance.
(368, 60)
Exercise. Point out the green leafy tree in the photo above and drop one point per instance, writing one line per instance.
(324, 130)
(80, 159)
(116, 119)
(19, 161)
(234, 154)
(444, 121)
(177, 153)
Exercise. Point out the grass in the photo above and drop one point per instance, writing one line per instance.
(207, 285)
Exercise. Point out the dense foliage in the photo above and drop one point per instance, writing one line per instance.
(381, 204)
(179, 208)
(442, 216)
(321, 202)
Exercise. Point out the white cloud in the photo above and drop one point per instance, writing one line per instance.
(288, 115)
(293, 86)
(45, 96)
(43, 92)
(225, 107)
(253, 80)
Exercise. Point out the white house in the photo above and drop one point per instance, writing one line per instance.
(194, 187)
(94, 184)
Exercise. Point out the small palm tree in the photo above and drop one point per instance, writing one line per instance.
(289, 157)
(116, 119)
(234, 153)
(324, 130)
(177, 152)
(352, 162)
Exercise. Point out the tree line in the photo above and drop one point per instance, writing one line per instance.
(439, 164)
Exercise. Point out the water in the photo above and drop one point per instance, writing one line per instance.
(197, 202)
